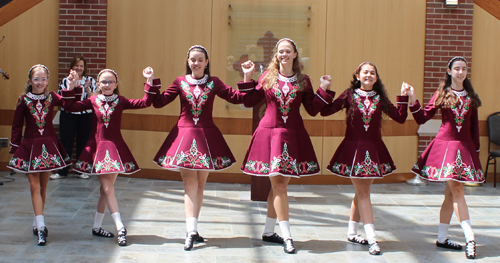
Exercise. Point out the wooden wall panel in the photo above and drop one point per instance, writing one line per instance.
(31, 38)
(391, 34)
(485, 59)
(158, 34)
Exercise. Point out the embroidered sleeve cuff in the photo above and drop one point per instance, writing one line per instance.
(154, 89)
(78, 90)
(325, 96)
(246, 86)
(68, 94)
(415, 107)
(402, 99)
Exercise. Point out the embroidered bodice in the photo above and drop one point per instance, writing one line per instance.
(197, 98)
(366, 106)
(38, 110)
(460, 122)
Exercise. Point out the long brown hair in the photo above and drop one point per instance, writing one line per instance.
(446, 97)
(274, 67)
(76, 60)
(356, 84)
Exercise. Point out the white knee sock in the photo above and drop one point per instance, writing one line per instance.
(285, 229)
(98, 220)
(192, 225)
(269, 228)
(40, 222)
(466, 226)
(118, 220)
(443, 232)
(370, 233)
(352, 228)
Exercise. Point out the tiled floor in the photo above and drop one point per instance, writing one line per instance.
(406, 219)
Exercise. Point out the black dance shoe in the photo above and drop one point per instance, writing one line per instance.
(449, 244)
(288, 246)
(42, 237)
(374, 249)
(122, 237)
(470, 250)
(357, 239)
(274, 238)
(190, 239)
(35, 231)
(102, 233)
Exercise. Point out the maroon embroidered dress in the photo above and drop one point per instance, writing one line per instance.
(106, 152)
(362, 153)
(195, 142)
(40, 150)
(454, 152)
(281, 145)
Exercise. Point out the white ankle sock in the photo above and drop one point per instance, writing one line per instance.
(467, 228)
(192, 225)
(270, 225)
(285, 229)
(370, 233)
(98, 220)
(34, 221)
(352, 228)
(118, 220)
(443, 232)
(40, 221)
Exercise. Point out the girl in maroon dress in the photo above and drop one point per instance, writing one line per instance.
(280, 147)
(195, 146)
(40, 151)
(106, 154)
(362, 155)
(453, 156)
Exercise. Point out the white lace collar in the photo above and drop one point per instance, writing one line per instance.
(287, 79)
(363, 93)
(194, 81)
(461, 93)
(107, 98)
(36, 97)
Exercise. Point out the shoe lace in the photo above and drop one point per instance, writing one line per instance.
(358, 238)
(374, 247)
(471, 248)
(451, 243)
(189, 240)
(289, 244)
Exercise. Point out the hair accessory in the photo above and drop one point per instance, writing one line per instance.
(455, 58)
(197, 46)
(36, 66)
(286, 39)
(107, 70)
(360, 65)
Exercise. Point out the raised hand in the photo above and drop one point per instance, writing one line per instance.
(248, 68)
(326, 82)
(148, 73)
(72, 79)
(404, 89)
(411, 93)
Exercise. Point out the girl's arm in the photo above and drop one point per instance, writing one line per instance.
(422, 116)
(228, 93)
(474, 128)
(336, 105)
(17, 127)
(72, 103)
(161, 100)
(314, 103)
(150, 92)
(399, 113)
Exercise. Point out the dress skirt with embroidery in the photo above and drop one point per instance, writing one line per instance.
(454, 153)
(195, 142)
(40, 150)
(362, 153)
(281, 145)
(106, 152)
